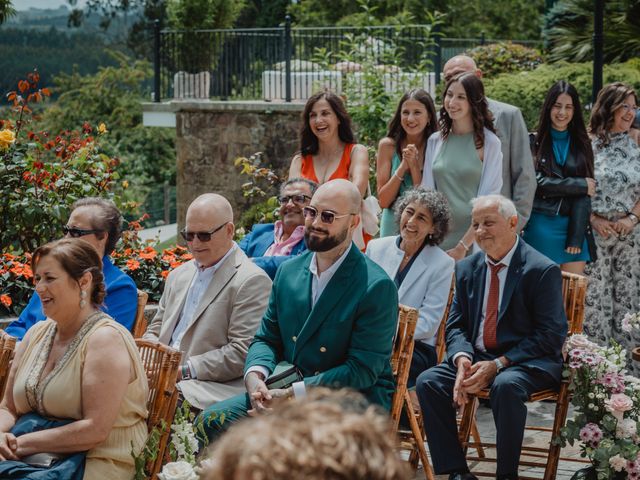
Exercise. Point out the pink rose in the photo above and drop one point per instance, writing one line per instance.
(618, 404)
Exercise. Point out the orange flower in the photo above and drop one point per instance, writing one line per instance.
(148, 253)
(133, 264)
(187, 256)
(164, 273)
(5, 300)
(175, 264)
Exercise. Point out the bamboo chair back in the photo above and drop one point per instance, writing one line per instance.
(161, 364)
(7, 346)
(401, 358)
(140, 324)
(441, 343)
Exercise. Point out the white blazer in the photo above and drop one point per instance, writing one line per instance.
(491, 177)
(426, 285)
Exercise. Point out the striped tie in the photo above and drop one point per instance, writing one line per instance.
(491, 315)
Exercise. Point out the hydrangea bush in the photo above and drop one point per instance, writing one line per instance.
(607, 402)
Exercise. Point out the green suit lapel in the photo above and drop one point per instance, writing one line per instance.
(331, 297)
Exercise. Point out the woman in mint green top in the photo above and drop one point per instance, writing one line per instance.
(457, 170)
(464, 159)
(401, 153)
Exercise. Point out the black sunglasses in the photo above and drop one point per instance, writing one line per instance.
(297, 199)
(202, 236)
(326, 216)
(78, 232)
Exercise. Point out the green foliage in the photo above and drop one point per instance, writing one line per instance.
(261, 188)
(52, 51)
(527, 90)
(512, 19)
(198, 15)
(6, 10)
(149, 452)
(113, 96)
(504, 57)
(568, 31)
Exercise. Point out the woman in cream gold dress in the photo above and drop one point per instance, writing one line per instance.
(79, 365)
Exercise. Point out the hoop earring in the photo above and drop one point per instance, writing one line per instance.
(83, 296)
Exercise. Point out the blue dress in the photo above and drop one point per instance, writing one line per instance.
(548, 233)
(388, 225)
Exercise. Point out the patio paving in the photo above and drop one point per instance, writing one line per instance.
(540, 414)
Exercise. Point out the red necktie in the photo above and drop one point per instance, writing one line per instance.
(491, 315)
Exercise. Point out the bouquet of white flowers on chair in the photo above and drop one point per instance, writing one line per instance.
(607, 404)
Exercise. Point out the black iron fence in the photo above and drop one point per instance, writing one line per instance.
(289, 64)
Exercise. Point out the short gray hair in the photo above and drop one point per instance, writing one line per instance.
(313, 186)
(433, 201)
(506, 207)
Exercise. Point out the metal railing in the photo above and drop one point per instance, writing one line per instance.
(289, 64)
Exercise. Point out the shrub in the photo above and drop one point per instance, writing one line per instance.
(42, 174)
(505, 57)
(16, 283)
(144, 264)
(527, 90)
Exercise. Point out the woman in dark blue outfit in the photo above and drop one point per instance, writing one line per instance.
(559, 225)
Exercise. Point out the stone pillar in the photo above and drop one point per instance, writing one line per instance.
(211, 135)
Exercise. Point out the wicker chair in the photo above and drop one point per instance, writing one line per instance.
(140, 324)
(7, 346)
(574, 288)
(161, 364)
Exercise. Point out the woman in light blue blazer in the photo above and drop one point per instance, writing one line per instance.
(421, 270)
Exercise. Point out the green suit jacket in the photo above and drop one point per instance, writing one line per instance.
(345, 340)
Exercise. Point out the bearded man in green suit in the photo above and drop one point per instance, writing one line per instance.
(332, 313)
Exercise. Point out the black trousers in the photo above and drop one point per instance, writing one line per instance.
(509, 392)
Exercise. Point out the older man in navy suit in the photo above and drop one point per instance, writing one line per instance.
(505, 331)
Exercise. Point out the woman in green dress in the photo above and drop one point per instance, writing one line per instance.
(464, 159)
(401, 153)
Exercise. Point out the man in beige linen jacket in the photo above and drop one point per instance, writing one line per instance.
(211, 306)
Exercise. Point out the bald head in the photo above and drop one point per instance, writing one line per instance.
(212, 204)
(460, 64)
(343, 193)
(210, 214)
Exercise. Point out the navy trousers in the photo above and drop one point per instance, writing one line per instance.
(509, 392)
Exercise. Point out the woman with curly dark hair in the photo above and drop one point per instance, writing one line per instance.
(401, 153)
(559, 223)
(464, 159)
(422, 270)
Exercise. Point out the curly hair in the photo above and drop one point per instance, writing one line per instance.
(397, 133)
(308, 140)
(76, 257)
(437, 205)
(480, 113)
(330, 435)
(610, 98)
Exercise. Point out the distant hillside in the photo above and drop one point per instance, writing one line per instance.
(40, 38)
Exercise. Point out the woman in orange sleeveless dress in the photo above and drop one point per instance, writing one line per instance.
(328, 149)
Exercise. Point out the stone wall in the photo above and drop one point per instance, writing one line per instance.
(211, 135)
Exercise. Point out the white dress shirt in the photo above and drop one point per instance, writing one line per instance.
(197, 288)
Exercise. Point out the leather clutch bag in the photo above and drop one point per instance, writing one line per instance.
(283, 376)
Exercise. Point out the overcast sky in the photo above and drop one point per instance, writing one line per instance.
(27, 4)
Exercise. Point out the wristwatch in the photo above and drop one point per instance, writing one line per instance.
(634, 218)
(499, 365)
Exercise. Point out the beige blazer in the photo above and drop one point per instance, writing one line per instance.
(218, 337)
